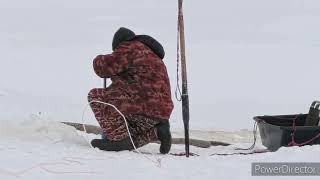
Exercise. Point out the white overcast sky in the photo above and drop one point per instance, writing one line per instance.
(244, 58)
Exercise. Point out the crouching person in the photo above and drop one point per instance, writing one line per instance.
(140, 89)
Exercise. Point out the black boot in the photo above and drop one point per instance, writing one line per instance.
(106, 145)
(164, 135)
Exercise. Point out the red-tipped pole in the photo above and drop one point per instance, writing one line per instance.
(185, 96)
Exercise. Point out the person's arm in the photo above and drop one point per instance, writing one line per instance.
(106, 66)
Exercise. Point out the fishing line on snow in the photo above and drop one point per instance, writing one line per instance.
(155, 160)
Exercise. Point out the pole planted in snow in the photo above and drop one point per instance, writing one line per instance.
(184, 96)
(104, 82)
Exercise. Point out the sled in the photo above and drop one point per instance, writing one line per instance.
(286, 130)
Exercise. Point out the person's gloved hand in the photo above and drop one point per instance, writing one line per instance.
(164, 135)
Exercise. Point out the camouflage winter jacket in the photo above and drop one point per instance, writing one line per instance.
(140, 83)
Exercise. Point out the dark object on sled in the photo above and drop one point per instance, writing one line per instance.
(313, 116)
(275, 131)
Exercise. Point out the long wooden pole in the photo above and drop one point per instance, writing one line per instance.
(104, 82)
(185, 96)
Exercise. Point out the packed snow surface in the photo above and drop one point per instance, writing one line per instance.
(38, 148)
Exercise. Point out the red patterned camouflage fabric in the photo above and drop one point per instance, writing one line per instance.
(140, 89)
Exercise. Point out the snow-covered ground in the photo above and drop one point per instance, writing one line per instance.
(38, 148)
(245, 58)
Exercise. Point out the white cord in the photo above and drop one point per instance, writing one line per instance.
(155, 160)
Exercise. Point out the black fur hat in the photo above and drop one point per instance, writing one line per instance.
(122, 34)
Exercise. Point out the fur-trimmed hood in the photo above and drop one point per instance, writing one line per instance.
(153, 44)
(125, 34)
